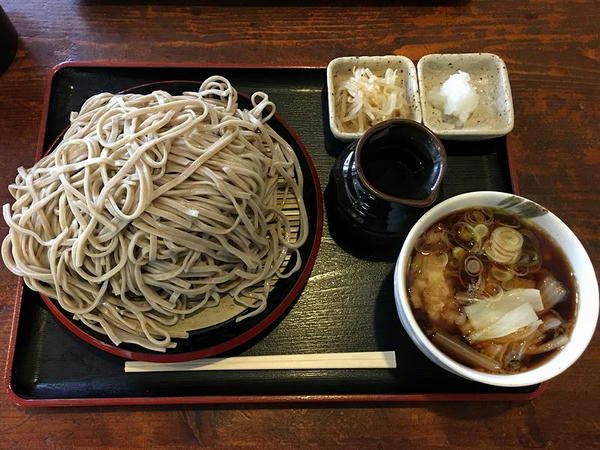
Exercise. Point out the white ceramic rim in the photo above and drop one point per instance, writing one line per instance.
(587, 291)
(411, 78)
(473, 133)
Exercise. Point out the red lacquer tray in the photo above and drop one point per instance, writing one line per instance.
(347, 304)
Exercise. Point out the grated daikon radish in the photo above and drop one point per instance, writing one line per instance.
(366, 99)
(457, 97)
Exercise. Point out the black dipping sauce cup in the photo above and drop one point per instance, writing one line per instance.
(388, 178)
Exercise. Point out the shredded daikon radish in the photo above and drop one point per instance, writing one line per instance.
(365, 99)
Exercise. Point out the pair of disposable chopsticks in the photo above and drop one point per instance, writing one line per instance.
(353, 360)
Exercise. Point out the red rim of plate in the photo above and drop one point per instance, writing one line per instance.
(241, 338)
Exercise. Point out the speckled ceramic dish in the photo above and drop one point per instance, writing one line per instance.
(493, 116)
(340, 69)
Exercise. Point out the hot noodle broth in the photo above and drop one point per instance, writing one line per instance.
(492, 290)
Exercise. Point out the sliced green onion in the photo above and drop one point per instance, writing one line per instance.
(481, 230)
(473, 265)
(459, 253)
(501, 274)
(465, 233)
(504, 245)
(478, 216)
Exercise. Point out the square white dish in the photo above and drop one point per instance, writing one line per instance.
(339, 69)
(494, 114)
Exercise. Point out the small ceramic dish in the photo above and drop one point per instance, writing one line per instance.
(586, 314)
(340, 69)
(494, 114)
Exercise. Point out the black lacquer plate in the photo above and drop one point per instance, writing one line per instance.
(229, 334)
(347, 304)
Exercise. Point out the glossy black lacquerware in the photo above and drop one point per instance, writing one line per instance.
(347, 304)
(384, 181)
(8, 41)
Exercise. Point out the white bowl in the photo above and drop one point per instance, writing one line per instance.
(587, 288)
(493, 116)
(341, 68)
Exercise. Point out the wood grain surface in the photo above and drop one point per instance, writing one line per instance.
(552, 51)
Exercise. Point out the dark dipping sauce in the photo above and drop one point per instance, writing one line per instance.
(397, 170)
(403, 161)
(439, 310)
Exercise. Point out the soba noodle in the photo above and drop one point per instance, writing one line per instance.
(155, 206)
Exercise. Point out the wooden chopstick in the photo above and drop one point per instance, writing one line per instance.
(352, 360)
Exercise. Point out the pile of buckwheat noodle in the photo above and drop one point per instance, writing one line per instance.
(155, 206)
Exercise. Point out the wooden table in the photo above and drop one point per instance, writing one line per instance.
(552, 51)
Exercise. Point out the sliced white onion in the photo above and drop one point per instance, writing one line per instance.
(522, 334)
(463, 352)
(552, 292)
(510, 322)
(551, 323)
(555, 343)
(483, 313)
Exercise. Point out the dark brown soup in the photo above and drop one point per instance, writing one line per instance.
(492, 290)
